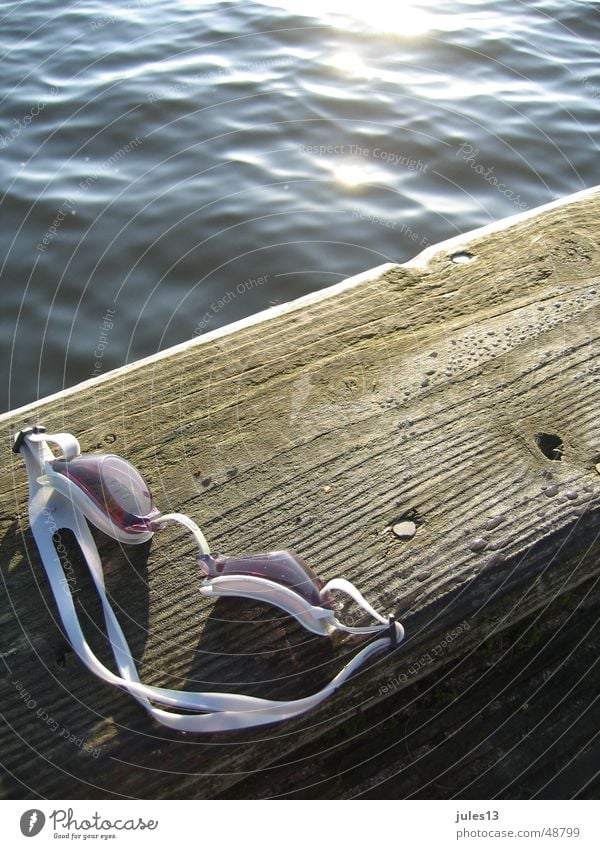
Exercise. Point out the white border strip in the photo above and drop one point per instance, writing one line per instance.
(420, 261)
(150, 823)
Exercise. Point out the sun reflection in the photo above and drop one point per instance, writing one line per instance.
(352, 174)
(400, 18)
(404, 18)
(350, 63)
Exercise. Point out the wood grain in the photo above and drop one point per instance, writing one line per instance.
(426, 392)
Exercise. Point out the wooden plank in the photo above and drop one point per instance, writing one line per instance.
(515, 718)
(430, 391)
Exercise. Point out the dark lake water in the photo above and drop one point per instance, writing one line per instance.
(170, 166)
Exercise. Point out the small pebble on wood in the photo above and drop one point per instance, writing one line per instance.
(404, 530)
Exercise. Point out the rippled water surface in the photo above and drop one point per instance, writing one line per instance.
(171, 166)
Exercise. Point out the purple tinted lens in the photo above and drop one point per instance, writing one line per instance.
(282, 567)
(114, 486)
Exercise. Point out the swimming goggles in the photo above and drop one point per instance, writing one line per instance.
(108, 491)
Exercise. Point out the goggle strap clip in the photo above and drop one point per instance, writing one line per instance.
(22, 435)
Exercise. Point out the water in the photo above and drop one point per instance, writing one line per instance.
(169, 166)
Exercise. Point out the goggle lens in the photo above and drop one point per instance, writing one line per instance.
(281, 567)
(115, 486)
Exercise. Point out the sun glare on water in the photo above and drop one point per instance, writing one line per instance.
(401, 18)
(352, 175)
(350, 63)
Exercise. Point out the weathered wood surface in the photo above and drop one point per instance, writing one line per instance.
(419, 392)
(515, 718)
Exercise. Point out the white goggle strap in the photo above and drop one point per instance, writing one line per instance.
(67, 443)
(225, 711)
(344, 586)
(220, 711)
(187, 523)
